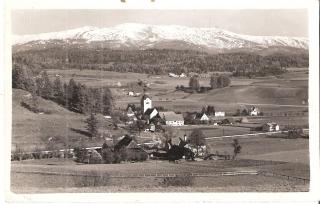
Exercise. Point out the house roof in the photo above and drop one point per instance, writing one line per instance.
(271, 124)
(199, 115)
(171, 116)
(150, 110)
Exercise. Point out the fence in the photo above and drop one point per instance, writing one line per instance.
(294, 178)
(154, 175)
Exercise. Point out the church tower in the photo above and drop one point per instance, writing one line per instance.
(146, 103)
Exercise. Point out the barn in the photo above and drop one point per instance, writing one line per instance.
(172, 119)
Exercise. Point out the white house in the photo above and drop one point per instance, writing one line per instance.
(173, 75)
(201, 117)
(270, 127)
(182, 75)
(130, 93)
(219, 114)
(254, 111)
(172, 119)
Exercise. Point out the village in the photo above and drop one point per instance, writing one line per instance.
(156, 133)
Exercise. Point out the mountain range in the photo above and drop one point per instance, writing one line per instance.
(142, 36)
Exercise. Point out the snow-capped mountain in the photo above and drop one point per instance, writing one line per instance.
(142, 36)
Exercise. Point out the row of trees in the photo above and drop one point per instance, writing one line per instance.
(72, 95)
(216, 81)
(156, 61)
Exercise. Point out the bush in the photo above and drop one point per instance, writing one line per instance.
(94, 157)
(134, 155)
(87, 156)
(107, 155)
(178, 180)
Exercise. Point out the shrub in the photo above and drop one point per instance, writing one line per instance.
(134, 155)
(178, 180)
(94, 157)
(79, 154)
(107, 156)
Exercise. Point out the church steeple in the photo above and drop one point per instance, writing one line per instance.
(146, 103)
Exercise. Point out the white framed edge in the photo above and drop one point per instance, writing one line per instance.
(313, 196)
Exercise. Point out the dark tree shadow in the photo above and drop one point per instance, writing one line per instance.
(82, 132)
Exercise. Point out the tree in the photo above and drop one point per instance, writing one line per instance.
(223, 81)
(194, 83)
(244, 112)
(210, 110)
(92, 125)
(204, 109)
(236, 148)
(214, 81)
(18, 77)
(58, 92)
(47, 86)
(197, 139)
(73, 96)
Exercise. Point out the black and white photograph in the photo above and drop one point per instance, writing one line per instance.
(160, 100)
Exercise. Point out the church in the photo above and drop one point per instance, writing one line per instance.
(147, 111)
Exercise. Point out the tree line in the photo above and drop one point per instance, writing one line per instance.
(74, 96)
(216, 81)
(162, 61)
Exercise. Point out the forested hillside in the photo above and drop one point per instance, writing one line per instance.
(27, 75)
(161, 61)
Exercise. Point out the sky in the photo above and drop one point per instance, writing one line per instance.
(278, 22)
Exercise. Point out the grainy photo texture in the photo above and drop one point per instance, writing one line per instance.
(160, 101)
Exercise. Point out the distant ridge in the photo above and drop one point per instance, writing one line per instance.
(142, 36)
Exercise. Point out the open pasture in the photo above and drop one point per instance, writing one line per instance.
(290, 88)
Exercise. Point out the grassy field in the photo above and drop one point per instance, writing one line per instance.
(34, 176)
(31, 131)
(289, 89)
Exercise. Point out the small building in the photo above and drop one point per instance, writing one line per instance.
(201, 117)
(182, 75)
(151, 113)
(173, 75)
(271, 127)
(130, 93)
(219, 114)
(130, 112)
(107, 117)
(172, 119)
(254, 111)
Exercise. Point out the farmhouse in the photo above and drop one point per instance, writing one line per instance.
(182, 75)
(172, 119)
(254, 111)
(201, 117)
(270, 127)
(173, 75)
(219, 114)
